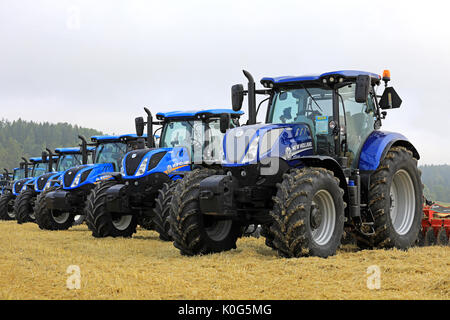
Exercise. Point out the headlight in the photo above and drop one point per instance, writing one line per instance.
(122, 170)
(48, 184)
(252, 152)
(269, 139)
(142, 168)
(76, 181)
(23, 187)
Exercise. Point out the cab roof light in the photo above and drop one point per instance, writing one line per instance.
(386, 76)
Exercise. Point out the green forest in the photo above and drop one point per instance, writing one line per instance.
(28, 139)
(436, 179)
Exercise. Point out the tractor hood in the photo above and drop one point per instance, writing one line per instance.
(250, 144)
(41, 181)
(141, 163)
(19, 185)
(79, 176)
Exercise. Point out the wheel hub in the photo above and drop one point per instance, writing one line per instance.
(316, 216)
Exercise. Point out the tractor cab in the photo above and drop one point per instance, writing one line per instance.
(109, 151)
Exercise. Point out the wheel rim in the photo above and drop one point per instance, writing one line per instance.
(10, 210)
(60, 218)
(32, 216)
(322, 217)
(78, 219)
(402, 202)
(219, 229)
(122, 222)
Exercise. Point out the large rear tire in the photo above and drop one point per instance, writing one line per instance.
(162, 211)
(7, 206)
(24, 206)
(193, 232)
(308, 214)
(396, 201)
(51, 219)
(103, 223)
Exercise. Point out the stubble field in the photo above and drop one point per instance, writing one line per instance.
(34, 264)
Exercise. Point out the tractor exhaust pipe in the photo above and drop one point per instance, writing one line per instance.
(251, 98)
(50, 160)
(150, 139)
(25, 165)
(84, 151)
(6, 174)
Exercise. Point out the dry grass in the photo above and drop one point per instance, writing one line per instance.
(33, 265)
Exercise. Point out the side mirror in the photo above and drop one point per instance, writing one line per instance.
(140, 125)
(390, 99)
(237, 96)
(362, 88)
(44, 156)
(224, 122)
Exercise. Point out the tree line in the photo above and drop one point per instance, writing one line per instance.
(21, 138)
(436, 179)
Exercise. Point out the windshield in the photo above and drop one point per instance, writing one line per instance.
(19, 174)
(112, 152)
(301, 105)
(39, 168)
(67, 161)
(203, 139)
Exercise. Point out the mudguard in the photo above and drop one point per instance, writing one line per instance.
(376, 147)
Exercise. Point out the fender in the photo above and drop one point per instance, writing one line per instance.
(378, 144)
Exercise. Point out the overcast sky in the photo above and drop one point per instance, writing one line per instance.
(97, 63)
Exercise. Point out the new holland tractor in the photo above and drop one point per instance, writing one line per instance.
(319, 165)
(5, 178)
(64, 158)
(143, 189)
(57, 206)
(29, 169)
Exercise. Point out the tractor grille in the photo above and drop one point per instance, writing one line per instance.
(155, 159)
(18, 186)
(132, 163)
(70, 175)
(42, 180)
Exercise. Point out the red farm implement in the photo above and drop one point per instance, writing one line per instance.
(435, 225)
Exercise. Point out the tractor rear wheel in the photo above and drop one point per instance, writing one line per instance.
(430, 238)
(395, 200)
(103, 223)
(6, 206)
(193, 232)
(308, 214)
(48, 219)
(441, 238)
(162, 211)
(24, 206)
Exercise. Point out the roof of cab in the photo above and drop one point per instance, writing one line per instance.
(196, 113)
(39, 159)
(130, 136)
(74, 150)
(346, 74)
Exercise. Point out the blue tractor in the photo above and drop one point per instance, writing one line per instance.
(318, 167)
(64, 158)
(6, 177)
(143, 189)
(57, 206)
(29, 169)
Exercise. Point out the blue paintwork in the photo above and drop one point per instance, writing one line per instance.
(24, 181)
(175, 160)
(115, 138)
(75, 150)
(374, 147)
(39, 159)
(294, 137)
(196, 113)
(96, 169)
(343, 73)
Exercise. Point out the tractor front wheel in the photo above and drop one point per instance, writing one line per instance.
(308, 214)
(6, 206)
(48, 219)
(24, 206)
(193, 232)
(103, 223)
